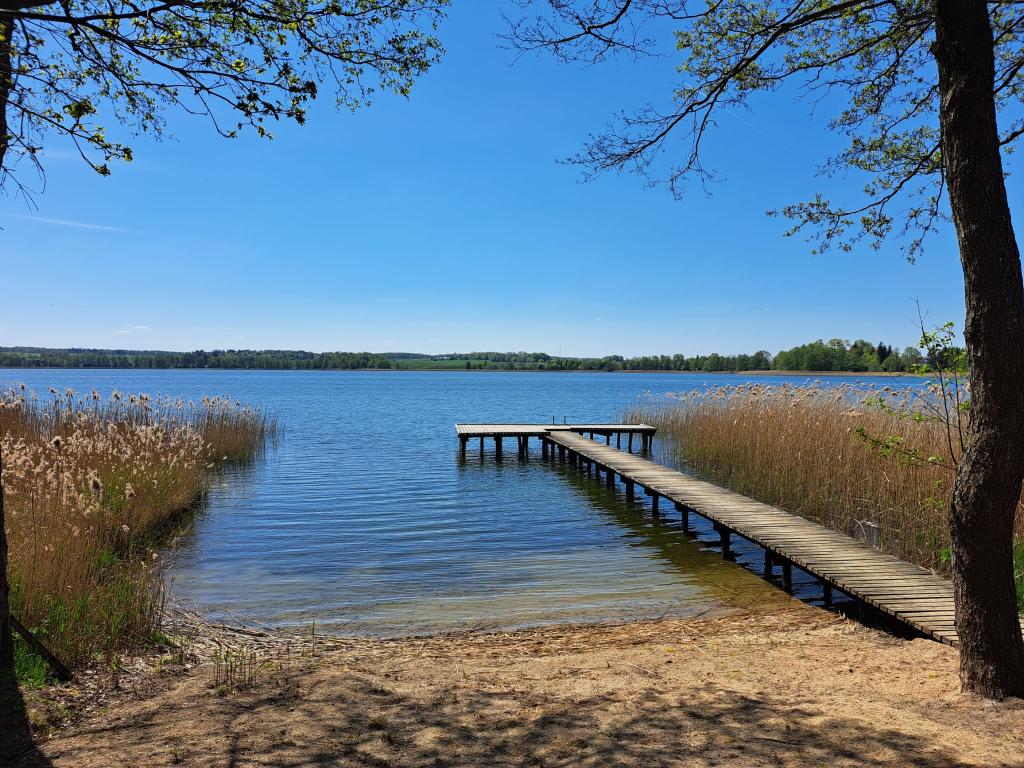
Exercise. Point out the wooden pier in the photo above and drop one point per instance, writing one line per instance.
(523, 432)
(910, 594)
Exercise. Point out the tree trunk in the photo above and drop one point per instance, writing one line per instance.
(6, 83)
(988, 479)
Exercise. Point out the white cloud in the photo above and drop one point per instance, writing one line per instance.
(67, 223)
(131, 330)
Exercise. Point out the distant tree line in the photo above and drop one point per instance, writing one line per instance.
(39, 357)
(759, 361)
(841, 355)
(820, 355)
(832, 355)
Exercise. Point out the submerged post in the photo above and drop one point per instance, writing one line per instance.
(724, 540)
(463, 440)
(684, 514)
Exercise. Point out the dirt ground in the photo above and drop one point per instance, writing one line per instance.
(800, 687)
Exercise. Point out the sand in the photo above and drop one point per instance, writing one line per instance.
(796, 687)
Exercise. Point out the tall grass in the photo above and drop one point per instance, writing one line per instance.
(89, 485)
(799, 448)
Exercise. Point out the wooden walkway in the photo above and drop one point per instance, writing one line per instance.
(523, 432)
(908, 593)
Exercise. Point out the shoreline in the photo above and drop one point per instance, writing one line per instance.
(796, 374)
(796, 686)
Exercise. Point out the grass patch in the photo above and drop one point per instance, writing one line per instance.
(89, 483)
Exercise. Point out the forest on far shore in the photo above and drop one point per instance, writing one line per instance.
(833, 355)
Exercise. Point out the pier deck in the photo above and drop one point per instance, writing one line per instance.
(523, 432)
(908, 593)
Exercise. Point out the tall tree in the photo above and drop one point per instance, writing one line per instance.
(88, 70)
(920, 84)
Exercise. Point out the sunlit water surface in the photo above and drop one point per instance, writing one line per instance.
(362, 519)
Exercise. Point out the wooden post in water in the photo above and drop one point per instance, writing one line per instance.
(609, 477)
(608, 438)
(629, 445)
(481, 447)
(618, 439)
(684, 514)
(561, 453)
(497, 447)
(629, 489)
(826, 594)
(654, 505)
(787, 577)
(463, 439)
(723, 540)
(769, 564)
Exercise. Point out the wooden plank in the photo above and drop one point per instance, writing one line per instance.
(909, 593)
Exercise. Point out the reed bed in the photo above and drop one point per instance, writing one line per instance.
(841, 456)
(90, 485)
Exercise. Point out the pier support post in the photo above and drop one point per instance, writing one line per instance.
(609, 477)
(826, 594)
(561, 453)
(654, 505)
(544, 449)
(629, 489)
(481, 447)
(787, 577)
(608, 439)
(463, 439)
(497, 447)
(769, 564)
(524, 446)
(684, 514)
(724, 540)
(618, 439)
(629, 445)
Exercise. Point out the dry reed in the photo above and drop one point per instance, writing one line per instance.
(89, 485)
(799, 448)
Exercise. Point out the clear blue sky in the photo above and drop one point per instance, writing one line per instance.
(444, 223)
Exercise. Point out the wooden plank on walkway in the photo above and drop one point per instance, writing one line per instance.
(537, 430)
(913, 595)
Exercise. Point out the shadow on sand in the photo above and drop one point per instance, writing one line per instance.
(16, 745)
(350, 718)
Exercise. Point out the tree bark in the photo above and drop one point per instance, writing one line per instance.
(6, 84)
(989, 475)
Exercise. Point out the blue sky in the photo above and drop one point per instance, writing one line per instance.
(444, 223)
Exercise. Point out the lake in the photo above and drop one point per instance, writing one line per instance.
(362, 519)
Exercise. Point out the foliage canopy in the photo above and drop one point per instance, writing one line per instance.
(871, 61)
(80, 68)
